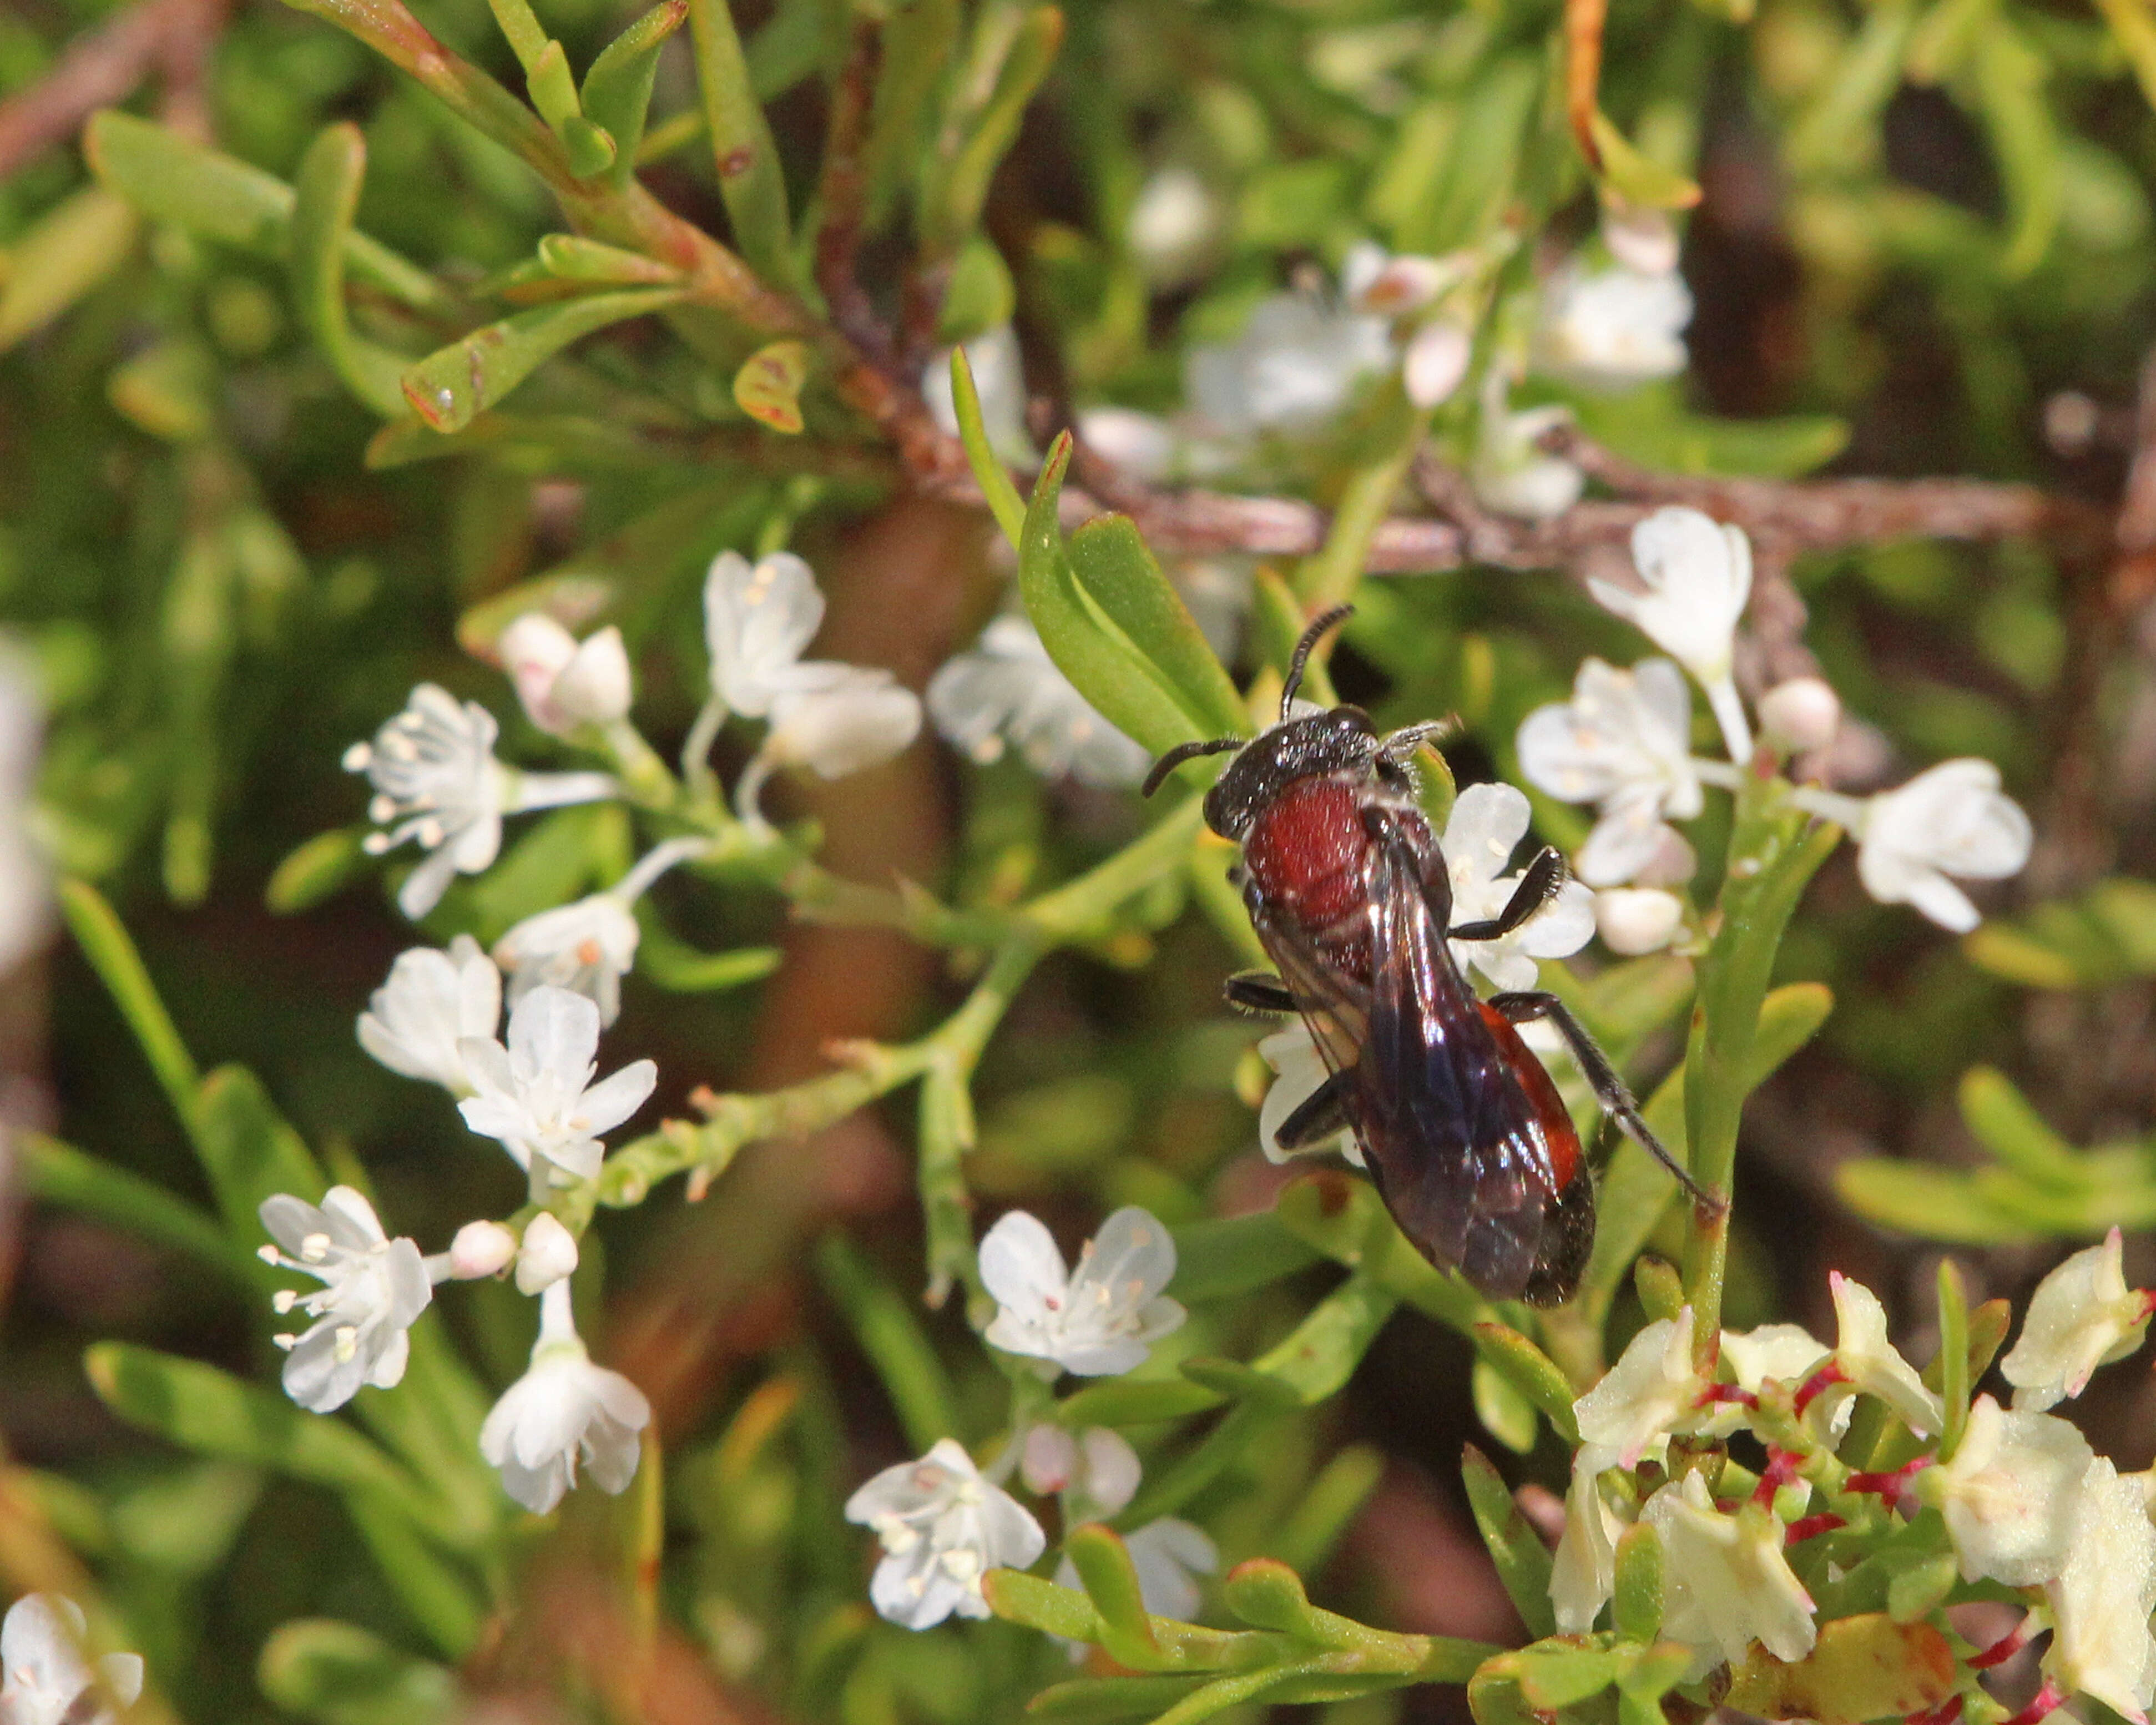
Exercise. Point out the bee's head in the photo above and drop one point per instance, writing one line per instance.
(1341, 739)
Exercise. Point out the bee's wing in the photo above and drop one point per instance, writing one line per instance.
(1462, 1155)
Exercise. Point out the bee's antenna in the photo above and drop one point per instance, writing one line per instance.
(1303, 649)
(1185, 752)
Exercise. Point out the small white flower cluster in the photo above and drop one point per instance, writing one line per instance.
(2023, 1499)
(47, 1678)
(1008, 690)
(1623, 743)
(943, 1523)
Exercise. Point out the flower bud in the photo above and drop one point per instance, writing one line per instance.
(1436, 362)
(548, 1254)
(1800, 715)
(1634, 920)
(1640, 237)
(1050, 1459)
(563, 684)
(480, 1249)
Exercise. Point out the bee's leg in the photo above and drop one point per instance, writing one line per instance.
(1258, 991)
(1609, 1090)
(1319, 1116)
(1402, 744)
(1544, 876)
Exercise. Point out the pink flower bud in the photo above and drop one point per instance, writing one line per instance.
(480, 1249)
(1800, 715)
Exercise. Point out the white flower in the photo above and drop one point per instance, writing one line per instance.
(1584, 1571)
(49, 1681)
(857, 720)
(1485, 826)
(562, 684)
(26, 887)
(372, 1288)
(563, 1409)
(1293, 368)
(1098, 1320)
(758, 623)
(1651, 1392)
(1698, 578)
(1298, 1069)
(436, 781)
(1870, 1362)
(2101, 1602)
(586, 947)
(1510, 471)
(999, 381)
(1174, 222)
(1008, 688)
(1726, 1582)
(1610, 328)
(432, 1001)
(1623, 742)
(942, 1527)
(1801, 714)
(1096, 1471)
(1952, 819)
(1780, 1353)
(2081, 1315)
(546, 1254)
(1634, 920)
(537, 1095)
(1640, 237)
(1392, 285)
(2009, 1495)
(480, 1250)
(1143, 446)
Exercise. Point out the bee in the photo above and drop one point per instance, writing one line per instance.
(1471, 1146)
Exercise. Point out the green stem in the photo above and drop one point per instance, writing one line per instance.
(1330, 576)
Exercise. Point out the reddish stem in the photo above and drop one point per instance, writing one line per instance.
(1818, 1383)
(2004, 1649)
(2048, 1701)
(1811, 1527)
(1781, 1470)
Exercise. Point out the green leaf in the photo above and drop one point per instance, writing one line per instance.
(954, 209)
(1523, 1560)
(989, 473)
(1119, 574)
(1220, 1258)
(1018, 1598)
(1952, 1359)
(325, 196)
(70, 248)
(1638, 1605)
(112, 955)
(249, 1150)
(680, 969)
(205, 1410)
(1554, 1675)
(337, 1673)
(1931, 1203)
(742, 145)
(1112, 1584)
(1325, 1507)
(1136, 1401)
(890, 1335)
(316, 869)
(441, 1599)
(59, 1173)
(1917, 1591)
(1506, 1416)
(1655, 428)
(1103, 1700)
(1636, 177)
(768, 387)
(617, 90)
(449, 387)
(2011, 1130)
(2010, 76)
(571, 257)
(1530, 1371)
(172, 178)
(1321, 1354)
(1122, 685)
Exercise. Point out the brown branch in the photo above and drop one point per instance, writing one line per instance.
(104, 66)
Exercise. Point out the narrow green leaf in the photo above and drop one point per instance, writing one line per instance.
(1278, 618)
(112, 955)
(617, 90)
(768, 387)
(2007, 1126)
(1325, 1507)
(742, 145)
(1953, 1386)
(1523, 1560)
(66, 253)
(1638, 1605)
(571, 257)
(2010, 81)
(59, 1173)
(1557, 1675)
(1136, 1401)
(1638, 179)
(450, 387)
(1018, 1598)
(1506, 1416)
(1660, 1287)
(680, 969)
(249, 1150)
(1119, 573)
(325, 197)
(1112, 1584)
(1530, 1371)
(989, 473)
(337, 1673)
(553, 89)
(1103, 1700)
(1933, 1203)
(920, 45)
(520, 29)
(1320, 1353)
(1221, 1257)
(205, 1410)
(439, 1596)
(1919, 1591)
(1119, 681)
(956, 210)
(890, 1335)
(172, 178)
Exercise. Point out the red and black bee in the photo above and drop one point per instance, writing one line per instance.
(1465, 1135)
